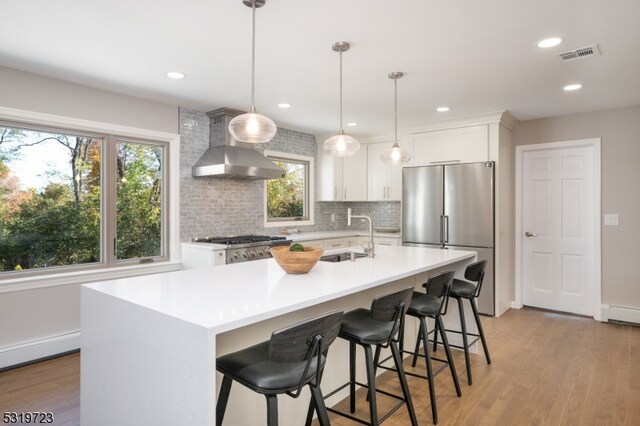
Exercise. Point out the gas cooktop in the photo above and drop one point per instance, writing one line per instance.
(239, 239)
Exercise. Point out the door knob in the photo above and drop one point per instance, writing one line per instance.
(530, 234)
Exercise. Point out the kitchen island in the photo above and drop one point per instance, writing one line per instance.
(149, 343)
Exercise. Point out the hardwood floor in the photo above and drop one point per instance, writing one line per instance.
(547, 368)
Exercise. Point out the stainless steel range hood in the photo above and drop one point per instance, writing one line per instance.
(228, 158)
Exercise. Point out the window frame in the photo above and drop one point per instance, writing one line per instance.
(108, 267)
(310, 196)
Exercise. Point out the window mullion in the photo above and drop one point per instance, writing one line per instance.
(109, 205)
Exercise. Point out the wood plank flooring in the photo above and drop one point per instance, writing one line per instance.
(547, 369)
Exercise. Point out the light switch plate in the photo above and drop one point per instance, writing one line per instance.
(611, 219)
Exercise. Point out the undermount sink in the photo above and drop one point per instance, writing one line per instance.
(341, 257)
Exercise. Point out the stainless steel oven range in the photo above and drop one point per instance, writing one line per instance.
(243, 248)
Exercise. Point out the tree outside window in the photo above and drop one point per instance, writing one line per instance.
(288, 198)
(53, 210)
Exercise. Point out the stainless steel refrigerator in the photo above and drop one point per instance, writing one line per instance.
(452, 207)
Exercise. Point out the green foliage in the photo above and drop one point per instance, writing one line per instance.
(61, 224)
(285, 197)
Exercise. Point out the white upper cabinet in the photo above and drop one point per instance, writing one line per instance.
(462, 145)
(384, 180)
(342, 179)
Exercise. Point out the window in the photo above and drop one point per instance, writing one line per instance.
(77, 200)
(289, 200)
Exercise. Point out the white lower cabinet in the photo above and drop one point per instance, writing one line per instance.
(199, 257)
(335, 243)
(380, 241)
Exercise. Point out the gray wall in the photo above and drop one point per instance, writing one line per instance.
(32, 92)
(213, 206)
(620, 133)
(39, 314)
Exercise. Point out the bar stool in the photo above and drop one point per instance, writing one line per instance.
(377, 326)
(292, 358)
(461, 290)
(431, 304)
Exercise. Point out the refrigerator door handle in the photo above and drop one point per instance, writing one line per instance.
(441, 229)
(446, 228)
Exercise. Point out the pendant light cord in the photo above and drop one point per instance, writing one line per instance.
(341, 130)
(395, 89)
(253, 58)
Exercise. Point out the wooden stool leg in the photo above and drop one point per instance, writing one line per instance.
(430, 378)
(480, 331)
(352, 377)
(465, 340)
(223, 398)
(272, 410)
(371, 381)
(447, 350)
(397, 358)
(316, 396)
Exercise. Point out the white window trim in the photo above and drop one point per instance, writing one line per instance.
(173, 244)
(311, 183)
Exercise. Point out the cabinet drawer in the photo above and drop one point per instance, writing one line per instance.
(387, 241)
(335, 243)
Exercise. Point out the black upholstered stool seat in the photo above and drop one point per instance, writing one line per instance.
(252, 368)
(379, 327)
(423, 305)
(468, 290)
(358, 326)
(460, 288)
(294, 357)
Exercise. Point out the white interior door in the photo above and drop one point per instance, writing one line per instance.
(559, 241)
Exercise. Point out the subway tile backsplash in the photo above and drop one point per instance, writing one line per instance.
(212, 206)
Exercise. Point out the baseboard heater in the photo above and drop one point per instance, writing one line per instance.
(624, 315)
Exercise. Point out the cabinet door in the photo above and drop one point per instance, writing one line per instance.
(384, 180)
(329, 177)
(354, 176)
(377, 178)
(464, 145)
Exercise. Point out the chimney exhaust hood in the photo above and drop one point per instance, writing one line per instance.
(228, 158)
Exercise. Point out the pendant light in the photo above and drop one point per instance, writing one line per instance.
(341, 145)
(396, 155)
(253, 127)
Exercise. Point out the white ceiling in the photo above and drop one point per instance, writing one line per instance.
(474, 56)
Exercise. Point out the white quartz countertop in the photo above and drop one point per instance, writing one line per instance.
(223, 298)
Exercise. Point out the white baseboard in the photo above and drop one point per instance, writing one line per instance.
(622, 313)
(515, 305)
(19, 354)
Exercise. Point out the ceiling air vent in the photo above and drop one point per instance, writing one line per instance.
(585, 52)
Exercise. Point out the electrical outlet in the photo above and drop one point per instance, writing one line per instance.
(363, 220)
(333, 217)
(611, 219)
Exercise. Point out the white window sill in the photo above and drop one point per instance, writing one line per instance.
(83, 277)
(280, 224)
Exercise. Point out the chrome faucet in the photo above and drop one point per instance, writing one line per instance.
(370, 250)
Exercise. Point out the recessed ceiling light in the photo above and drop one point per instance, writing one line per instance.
(176, 75)
(443, 109)
(549, 42)
(572, 87)
(284, 105)
(352, 124)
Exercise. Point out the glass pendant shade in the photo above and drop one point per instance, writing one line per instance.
(395, 155)
(341, 145)
(252, 127)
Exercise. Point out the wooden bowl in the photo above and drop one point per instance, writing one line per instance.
(296, 262)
